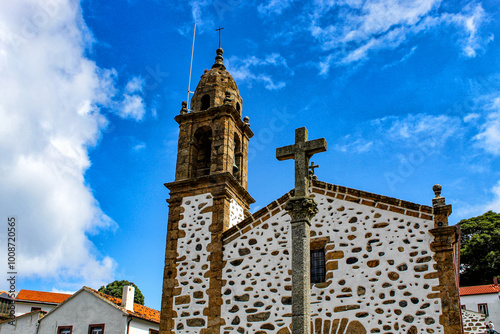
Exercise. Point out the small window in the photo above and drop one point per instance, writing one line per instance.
(205, 102)
(238, 107)
(318, 266)
(462, 307)
(64, 329)
(33, 309)
(483, 308)
(96, 329)
(153, 331)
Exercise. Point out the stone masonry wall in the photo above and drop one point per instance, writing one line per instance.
(193, 264)
(381, 276)
(473, 322)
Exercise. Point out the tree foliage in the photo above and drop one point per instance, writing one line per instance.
(115, 289)
(480, 249)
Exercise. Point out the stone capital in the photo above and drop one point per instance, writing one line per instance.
(301, 208)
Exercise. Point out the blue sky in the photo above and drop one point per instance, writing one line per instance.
(406, 93)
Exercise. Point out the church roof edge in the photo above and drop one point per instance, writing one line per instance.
(339, 192)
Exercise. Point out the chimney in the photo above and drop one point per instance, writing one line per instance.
(128, 297)
(495, 280)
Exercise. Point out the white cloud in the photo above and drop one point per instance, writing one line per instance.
(431, 131)
(471, 117)
(132, 107)
(49, 116)
(244, 69)
(470, 20)
(364, 26)
(201, 13)
(139, 147)
(465, 210)
(489, 136)
(422, 132)
(69, 292)
(135, 85)
(494, 204)
(348, 31)
(274, 7)
(402, 60)
(358, 145)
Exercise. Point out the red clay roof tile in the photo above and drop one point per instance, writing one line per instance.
(140, 311)
(42, 296)
(479, 289)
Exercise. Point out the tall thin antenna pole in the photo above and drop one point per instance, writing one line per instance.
(191, 66)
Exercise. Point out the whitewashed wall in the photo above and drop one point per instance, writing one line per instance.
(235, 213)
(138, 326)
(22, 308)
(81, 311)
(23, 325)
(380, 273)
(193, 264)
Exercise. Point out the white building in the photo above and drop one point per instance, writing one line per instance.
(91, 312)
(483, 299)
(23, 324)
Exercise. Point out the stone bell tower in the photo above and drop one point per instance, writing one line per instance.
(208, 196)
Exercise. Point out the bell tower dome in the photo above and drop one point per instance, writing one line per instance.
(216, 88)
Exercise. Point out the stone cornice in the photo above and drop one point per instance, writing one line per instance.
(210, 182)
(216, 112)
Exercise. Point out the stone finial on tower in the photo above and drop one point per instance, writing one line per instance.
(441, 210)
(219, 59)
(246, 120)
(184, 109)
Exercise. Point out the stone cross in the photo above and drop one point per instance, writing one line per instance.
(312, 167)
(301, 152)
(301, 209)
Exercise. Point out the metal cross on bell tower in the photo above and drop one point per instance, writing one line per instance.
(219, 34)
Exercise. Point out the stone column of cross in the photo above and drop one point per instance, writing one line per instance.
(301, 209)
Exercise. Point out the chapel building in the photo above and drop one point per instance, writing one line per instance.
(378, 264)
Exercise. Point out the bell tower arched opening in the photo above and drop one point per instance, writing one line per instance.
(237, 157)
(202, 151)
(205, 102)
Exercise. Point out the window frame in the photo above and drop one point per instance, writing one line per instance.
(94, 326)
(35, 308)
(318, 265)
(485, 306)
(61, 328)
